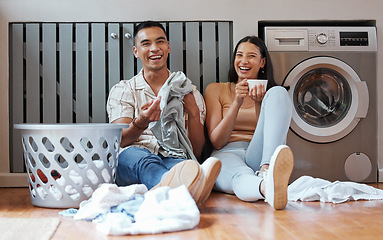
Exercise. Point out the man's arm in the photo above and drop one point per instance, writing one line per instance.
(194, 126)
(150, 112)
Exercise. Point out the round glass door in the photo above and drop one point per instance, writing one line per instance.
(322, 97)
(328, 97)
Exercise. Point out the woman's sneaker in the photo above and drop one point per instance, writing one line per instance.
(277, 177)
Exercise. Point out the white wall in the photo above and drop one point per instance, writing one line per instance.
(244, 13)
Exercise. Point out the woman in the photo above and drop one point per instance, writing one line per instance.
(248, 128)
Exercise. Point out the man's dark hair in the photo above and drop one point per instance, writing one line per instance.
(147, 24)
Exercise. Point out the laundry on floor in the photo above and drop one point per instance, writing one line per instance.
(135, 210)
(307, 188)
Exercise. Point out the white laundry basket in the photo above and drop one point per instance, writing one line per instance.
(67, 162)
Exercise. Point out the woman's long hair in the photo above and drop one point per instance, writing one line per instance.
(266, 73)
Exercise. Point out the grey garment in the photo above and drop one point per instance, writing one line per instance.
(170, 130)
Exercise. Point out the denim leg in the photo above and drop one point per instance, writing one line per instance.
(169, 162)
(272, 127)
(140, 166)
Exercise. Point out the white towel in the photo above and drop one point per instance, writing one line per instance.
(106, 197)
(163, 210)
(307, 188)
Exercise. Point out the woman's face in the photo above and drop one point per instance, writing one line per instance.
(248, 61)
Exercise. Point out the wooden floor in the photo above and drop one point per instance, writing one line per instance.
(225, 217)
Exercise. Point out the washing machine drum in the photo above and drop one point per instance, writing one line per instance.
(329, 99)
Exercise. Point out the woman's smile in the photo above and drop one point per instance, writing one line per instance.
(248, 61)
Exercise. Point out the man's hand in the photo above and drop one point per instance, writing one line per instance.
(190, 105)
(151, 113)
(193, 124)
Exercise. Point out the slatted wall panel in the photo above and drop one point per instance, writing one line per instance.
(62, 72)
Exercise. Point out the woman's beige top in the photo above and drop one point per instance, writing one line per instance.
(247, 116)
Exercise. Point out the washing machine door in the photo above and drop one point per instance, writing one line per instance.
(329, 99)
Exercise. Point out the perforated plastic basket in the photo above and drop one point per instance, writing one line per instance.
(67, 162)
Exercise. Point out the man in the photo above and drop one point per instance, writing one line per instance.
(137, 102)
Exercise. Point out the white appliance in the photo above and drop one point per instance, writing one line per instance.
(331, 75)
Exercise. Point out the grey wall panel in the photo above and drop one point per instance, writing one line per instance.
(113, 54)
(209, 54)
(65, 73)
(176, 45)
(49, 80)
(17, 100)
(128, 56)
(224, 50)
(82, 73)
(32, 51)
(16, 74)
(98, 73)
(193, 53)
(138, 61)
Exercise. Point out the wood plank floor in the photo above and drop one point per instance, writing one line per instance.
(225, 217)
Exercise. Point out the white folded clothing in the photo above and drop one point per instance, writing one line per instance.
(163, 210)
(307, 188)
(105, 197)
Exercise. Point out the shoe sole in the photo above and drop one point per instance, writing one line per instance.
(209, 176)
(283, 168)
(184, 173)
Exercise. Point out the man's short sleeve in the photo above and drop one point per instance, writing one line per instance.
(201, 104)
(120, 101)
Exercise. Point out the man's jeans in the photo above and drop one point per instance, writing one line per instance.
(140, 166)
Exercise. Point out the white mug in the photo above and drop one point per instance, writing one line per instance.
(256, 82)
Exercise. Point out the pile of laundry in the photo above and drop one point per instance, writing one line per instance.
(307, 188)
(135, 210)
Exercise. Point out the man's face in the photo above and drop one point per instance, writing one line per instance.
(152, 47)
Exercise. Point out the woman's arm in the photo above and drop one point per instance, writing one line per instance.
(220, 128)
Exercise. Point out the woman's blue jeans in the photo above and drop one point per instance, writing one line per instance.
(240, 160)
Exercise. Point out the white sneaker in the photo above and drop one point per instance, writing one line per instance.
(277, 177)
(210, 168)
(186, 173)
(198, 179)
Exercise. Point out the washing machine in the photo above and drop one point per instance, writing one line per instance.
(331, 76)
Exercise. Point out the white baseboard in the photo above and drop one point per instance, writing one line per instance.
(13, 180)
(380, 175)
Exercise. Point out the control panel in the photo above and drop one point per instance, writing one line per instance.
(321, 38)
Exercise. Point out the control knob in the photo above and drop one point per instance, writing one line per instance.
(322, 38)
